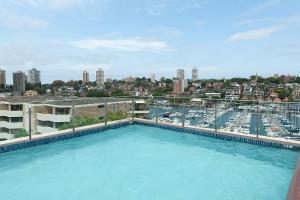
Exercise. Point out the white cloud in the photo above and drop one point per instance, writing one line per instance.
(135, 44)
(53, 4)
(156, 7)
(254, 34)
(263, 33)
(195, 5)
(166, 31)
(266, 5)
(22, 22)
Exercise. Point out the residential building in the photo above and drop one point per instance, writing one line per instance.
(19, 83)
(180, 74)
(129, 79)
(213, 94)
(194, 74)
(152, 78)
(296, 92)
(180, 85)
(100, 77)
(2, 78)
(34, 76)
(232, 97)
(30, 93)
(85, 77)
(234, 89)
(50, 113)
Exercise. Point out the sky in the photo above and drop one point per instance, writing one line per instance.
(222, 38)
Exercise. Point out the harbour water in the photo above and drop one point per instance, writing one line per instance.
(235, 119)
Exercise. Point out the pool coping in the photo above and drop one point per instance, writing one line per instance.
(227, 135)
(45, 138)
(20, 143)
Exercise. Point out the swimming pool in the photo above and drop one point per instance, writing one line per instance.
(141, 162)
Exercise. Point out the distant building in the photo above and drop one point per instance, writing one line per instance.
(180, 85)
(85, 77)
(30, 93)
(129, 79)
(213, 94)
(180, 74)
(100, 77)
(19, 83)
(152, 78)
(296, 92)
(195, 74)
(34, 76)
(2, 78)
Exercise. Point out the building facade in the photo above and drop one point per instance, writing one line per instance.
(100, 77)
(152, 78)
(50, 113)
(34, 76)
(194, 74)
(85, 77)
(19, 81)
(180, 74)
(2, 78)
(180, 84)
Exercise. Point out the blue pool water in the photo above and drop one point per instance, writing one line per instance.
(138, 162)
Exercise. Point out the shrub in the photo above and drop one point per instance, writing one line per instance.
(21, 133)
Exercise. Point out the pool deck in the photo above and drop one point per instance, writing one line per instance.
(294, 189)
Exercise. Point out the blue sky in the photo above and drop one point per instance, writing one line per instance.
(222, 38)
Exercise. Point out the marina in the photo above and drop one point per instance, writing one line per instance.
(268, 120)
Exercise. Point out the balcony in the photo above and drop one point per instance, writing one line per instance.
(7, 113)
(11, 125)
(53, 118)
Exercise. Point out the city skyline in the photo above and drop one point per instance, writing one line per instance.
(33, 76)
(257, 36)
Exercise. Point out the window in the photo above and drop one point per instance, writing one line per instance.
(62, 111)
(16, 107)
(16, 119)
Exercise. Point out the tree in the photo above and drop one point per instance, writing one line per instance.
(95, 93)
(58, 83)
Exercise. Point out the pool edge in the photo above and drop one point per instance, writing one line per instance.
(21, 143)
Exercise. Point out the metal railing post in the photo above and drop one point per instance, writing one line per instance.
(105, 112)
(73, 117)
(156, 115)
(183, 115)
(29, 127)
(132, 109)
(216, 129)
(257, 121)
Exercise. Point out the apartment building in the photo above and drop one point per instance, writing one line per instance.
(48, 114)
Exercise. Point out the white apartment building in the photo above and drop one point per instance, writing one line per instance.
(34, 76)
(152, 78)
(100, 77)
(50, 113)
(194, 74)
(180, 74)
